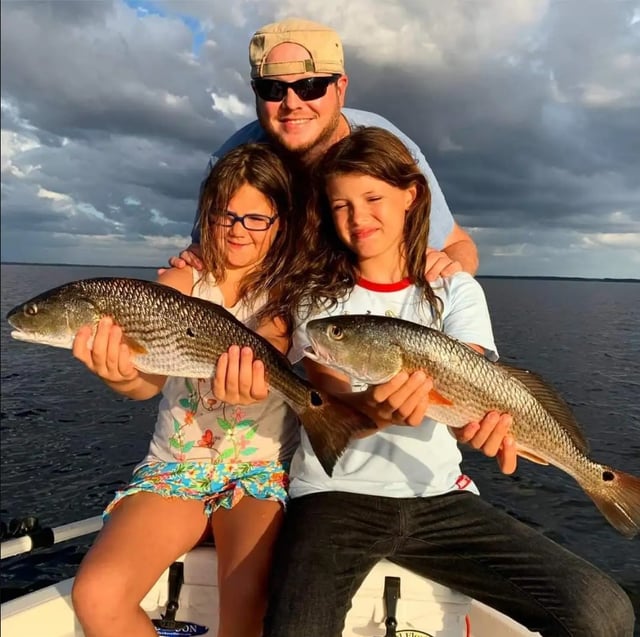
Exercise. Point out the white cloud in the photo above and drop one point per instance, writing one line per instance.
(13, 146)
(56, 197)
(629, 240)
(231, 106)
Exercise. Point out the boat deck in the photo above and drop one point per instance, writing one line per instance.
(423, 608)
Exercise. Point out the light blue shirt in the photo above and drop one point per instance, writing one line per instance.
(441, 223)
(400, 461)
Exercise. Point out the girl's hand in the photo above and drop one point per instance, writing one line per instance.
(109, 357)
(440, 264)
(491, 436)
(402, 400)
(239, 378)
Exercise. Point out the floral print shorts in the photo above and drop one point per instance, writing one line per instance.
(216, 484)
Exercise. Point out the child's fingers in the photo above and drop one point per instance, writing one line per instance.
(245, 373)
(381, 393)
(507, 456)
(405, 399)
(499, 426)
(219, 382)
(260, 387)
(80, 347)
(100, 345)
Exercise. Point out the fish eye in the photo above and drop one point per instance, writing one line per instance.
(31, 309)
(336, 332)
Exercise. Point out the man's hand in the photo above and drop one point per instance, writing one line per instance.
(440, 264)
(239, 379)
(491, 436)
(191, 256)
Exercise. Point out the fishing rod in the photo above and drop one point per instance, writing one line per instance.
(27, 534)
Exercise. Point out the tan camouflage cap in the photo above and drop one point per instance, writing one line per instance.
(322, 43)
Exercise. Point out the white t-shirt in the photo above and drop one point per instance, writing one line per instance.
(399, 461)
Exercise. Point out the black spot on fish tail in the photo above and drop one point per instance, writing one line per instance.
(618, 499)
(330, 425)
(190, 332)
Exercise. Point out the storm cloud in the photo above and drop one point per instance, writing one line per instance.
(527, 110)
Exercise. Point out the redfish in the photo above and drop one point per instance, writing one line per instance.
(373, 349)
(172, 334)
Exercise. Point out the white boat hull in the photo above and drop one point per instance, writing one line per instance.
(425, 609)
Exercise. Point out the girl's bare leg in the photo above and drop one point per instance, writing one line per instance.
(245, 536)
(144, 535)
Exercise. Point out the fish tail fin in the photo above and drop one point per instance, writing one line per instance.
(330, 424)
(618, 498)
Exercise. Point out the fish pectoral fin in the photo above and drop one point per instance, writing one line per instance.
(531, 457)
(436, 398)
(133, 345)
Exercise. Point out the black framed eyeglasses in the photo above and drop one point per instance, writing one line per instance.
(307, 89)
(251, 222)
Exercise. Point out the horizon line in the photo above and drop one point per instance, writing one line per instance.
(478, 276)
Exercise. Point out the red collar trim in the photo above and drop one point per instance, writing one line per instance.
(384, 287)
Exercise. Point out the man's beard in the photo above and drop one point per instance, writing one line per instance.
(308, 152)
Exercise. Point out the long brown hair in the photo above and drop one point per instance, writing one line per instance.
(262, 167)
(332, 269)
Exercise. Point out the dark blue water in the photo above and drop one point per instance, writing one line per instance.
(68, 442)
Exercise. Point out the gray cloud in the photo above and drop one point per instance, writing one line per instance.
(528, 112)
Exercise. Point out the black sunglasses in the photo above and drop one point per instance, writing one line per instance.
(308, 88)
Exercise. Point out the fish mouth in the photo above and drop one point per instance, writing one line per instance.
(309, 352)
(19, 335)
(318, 354)
(42, 339)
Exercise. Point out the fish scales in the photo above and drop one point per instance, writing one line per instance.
(474, 386)
(173, 334)
(467, 385)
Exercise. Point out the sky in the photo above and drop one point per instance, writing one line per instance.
(528, 112)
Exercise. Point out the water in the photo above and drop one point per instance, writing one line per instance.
(68, 441)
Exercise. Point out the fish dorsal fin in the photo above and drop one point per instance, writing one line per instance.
(552, 401)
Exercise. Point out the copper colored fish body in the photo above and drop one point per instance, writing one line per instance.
(373, 349)
(172, 334)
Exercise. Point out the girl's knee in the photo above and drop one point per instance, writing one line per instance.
(97, 595)
(86, 596)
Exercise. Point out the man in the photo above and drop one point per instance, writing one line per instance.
(299, 82)
(298, 79)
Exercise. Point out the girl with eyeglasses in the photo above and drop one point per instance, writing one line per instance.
(212, 463)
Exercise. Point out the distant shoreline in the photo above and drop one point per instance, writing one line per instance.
(480, 276)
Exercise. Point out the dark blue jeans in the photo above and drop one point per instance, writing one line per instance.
(330, 542)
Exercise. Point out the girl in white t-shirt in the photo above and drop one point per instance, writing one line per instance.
(399, 493)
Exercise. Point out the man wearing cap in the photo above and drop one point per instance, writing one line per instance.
(298, 78)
